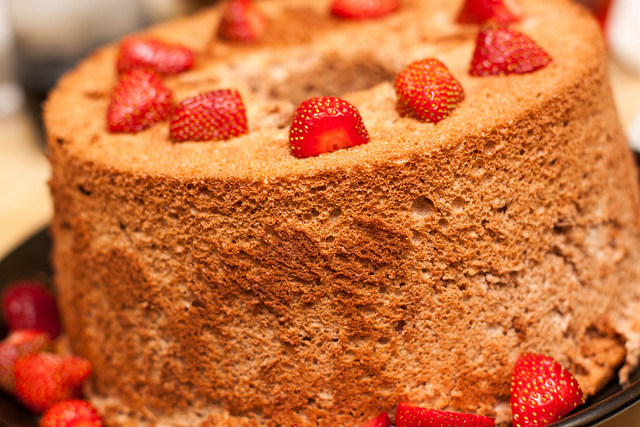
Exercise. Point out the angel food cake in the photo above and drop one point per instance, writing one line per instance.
(240, 282)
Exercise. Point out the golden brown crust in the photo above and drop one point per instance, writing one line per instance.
(230, 283)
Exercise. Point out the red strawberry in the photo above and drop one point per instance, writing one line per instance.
(363, 9)
(27, 304)
(71, 413)
(44, 379)
(324, 124)
(409, 415)
(215, 115)
(498, 11)
(542, 391)
(18, 343)
(242, 21)
(501, 51)
(427, 91)
(600, 9)
(163, 58)
(381, 420)
(138, 100)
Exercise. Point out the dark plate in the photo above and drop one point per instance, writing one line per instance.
(31, 260)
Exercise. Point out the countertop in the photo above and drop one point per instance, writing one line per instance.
(25, 203)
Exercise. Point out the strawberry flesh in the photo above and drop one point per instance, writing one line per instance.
(363, 9)
(380, 420)
(44, 379)
(542, 391)
(427, 91)
(496, 11)
(242, 21)
(324, 124)
(409, 415)
(71, 413)
(138, 100)
(18, 343)
(502, 51)
(161, 57)
(215, 115)
(28, 304)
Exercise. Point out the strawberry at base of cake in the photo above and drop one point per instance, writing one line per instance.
(231, 283)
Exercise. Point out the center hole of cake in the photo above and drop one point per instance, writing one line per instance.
(326, 75)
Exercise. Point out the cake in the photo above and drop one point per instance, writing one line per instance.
(231, 283)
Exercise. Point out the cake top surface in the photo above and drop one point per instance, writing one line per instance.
(305, 53)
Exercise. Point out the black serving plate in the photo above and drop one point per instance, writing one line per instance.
(30, 260)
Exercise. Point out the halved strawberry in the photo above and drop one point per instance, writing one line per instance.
(409, 415)
(600, 9)
(497, 11)
(242, 21)
(380, 420)
(363, 9)
(161, 57)
(138, 100)
(324, 124)
(542, 391)
(427, 91)
(215, 115)
(28, 304)
(501, 51)
(18, 343)
(43, 379)
(71, 413)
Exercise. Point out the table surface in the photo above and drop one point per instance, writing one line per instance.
(25, 202)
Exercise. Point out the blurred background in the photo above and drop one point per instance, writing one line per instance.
(40, 39)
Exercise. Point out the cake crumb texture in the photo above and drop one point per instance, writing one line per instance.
(231, 284)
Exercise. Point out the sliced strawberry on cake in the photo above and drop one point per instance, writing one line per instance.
(409, 415)
(324, 124)
(427, 91)
(211, 116)
(363, 9)
(44, 379)
(542, 391)
(497, 11)
(502, 51)
(71, 413)
(380, 420)
(161, 57)
(242, 21)
(138, 100)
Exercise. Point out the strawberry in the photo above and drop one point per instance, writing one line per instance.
(44, 379)
(381, 420)
(501, 51)
(497, 11)
(163, 58)
(600, 9)
(71, 413)
(363, 9)
(18, 343)
(215, 115)
(427, 91)
(242, 21)
(138, 100)
(409, 415)
(324, 124)
(28, 304)
(542, 391)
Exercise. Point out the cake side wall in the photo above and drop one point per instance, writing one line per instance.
(332, 297)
